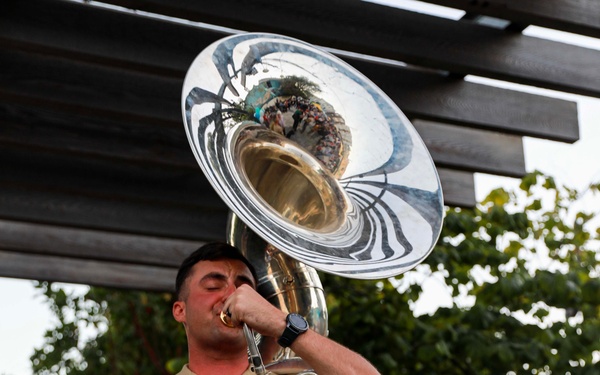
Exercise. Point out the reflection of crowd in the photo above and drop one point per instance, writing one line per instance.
(310, 120)
(272, 118)
(328, 149)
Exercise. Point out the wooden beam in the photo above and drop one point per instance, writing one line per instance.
(159, 184)
(43, 239)
(376, 30)
(121, 260)
(458, 187)
(41, 204)
(573, 16)
(145, 161)
(90, 136)
(102, 36)
(455, 101)
(89, 272)
(473, 150)
(114, 94)
(87, 88)
(169, 180)
(84, 199)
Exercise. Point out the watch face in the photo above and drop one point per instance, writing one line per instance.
(298, 321)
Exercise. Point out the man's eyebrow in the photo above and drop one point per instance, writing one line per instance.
(213, 275)
(220, 276)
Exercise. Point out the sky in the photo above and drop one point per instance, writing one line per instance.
(24, 317)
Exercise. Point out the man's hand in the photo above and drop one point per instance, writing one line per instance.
(245, 305)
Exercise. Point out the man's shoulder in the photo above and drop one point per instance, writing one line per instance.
(186, 371)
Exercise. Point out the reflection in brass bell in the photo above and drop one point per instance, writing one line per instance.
(347, 186)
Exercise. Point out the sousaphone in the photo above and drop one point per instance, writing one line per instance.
(320, 169)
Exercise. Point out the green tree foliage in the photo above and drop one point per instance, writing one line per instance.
(526, 291)
(136, 333)
(298, 86)
(523, 276)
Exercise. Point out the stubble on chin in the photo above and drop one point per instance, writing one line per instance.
(228, 335)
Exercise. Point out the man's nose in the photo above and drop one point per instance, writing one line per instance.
(231, 288)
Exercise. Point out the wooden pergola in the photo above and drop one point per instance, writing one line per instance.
(98, 184)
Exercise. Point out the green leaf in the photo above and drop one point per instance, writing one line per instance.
(442, 348)
(549, 184)
(528, 181)
(535, 205)
(513, 249)
(498, 197)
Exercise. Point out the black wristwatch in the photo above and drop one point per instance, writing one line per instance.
(296, 325)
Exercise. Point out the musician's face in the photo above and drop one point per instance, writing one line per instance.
(210, 283)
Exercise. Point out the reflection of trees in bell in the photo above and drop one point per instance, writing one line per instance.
(241, 111)
(298, 86)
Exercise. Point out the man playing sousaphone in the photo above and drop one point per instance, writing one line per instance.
(216, 296)
(360, 197)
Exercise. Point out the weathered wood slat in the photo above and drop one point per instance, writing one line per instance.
(376, 30)
(83, 198)
(123, 141)
(74, 206)
(53, 253)
(456, 101)
(73, 152)
(94, 244)
(473, 150)
(104, 212)
(117, 180)
(459, 186)
(124, 199)
(79, 31)
(574, 16)
(83, 88)
(78, 271)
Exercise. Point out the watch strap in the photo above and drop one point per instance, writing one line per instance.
(291, 333)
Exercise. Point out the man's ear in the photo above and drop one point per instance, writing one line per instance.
(179, 311)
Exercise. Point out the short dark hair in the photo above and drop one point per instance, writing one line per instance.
(209, 251)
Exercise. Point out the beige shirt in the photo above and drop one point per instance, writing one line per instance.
(186, 371)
